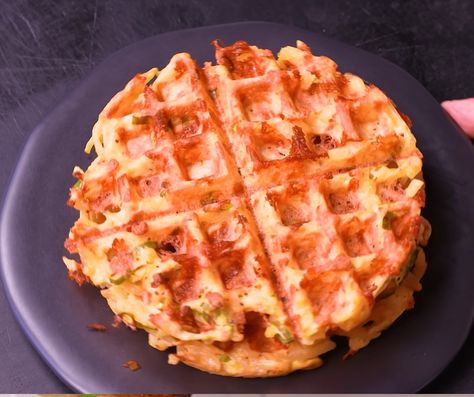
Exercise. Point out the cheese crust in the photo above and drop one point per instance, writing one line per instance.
(247, 211)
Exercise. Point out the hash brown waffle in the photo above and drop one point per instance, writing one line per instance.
(247, 211)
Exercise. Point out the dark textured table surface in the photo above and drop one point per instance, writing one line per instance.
(47, 46)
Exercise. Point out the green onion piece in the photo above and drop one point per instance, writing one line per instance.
(137, 120)
(234, 127)
(151, 244)
(132, 322)
(203, 317)
(400, 277)
(225, 358)
(118, 280)
(387, 220)
(226, 207)
(152, 80)
(285, 335)
(163, 193)
(77, 185)
(408, 267)
(412, 259)
(208, 199)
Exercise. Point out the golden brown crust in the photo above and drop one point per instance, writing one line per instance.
(388, 309)
(242, 361)
(246, 211)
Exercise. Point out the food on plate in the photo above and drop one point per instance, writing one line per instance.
(132, 365)
(97, 327)
(245, 212)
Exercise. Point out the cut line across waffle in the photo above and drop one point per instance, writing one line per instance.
(258, 204)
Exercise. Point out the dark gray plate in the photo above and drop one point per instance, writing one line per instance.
(54, 312)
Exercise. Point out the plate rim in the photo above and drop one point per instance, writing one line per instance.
(22, 158)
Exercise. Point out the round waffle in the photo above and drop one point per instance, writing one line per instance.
(247, 211)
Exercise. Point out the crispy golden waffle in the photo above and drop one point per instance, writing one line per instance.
(247, 211)
(298, 116)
